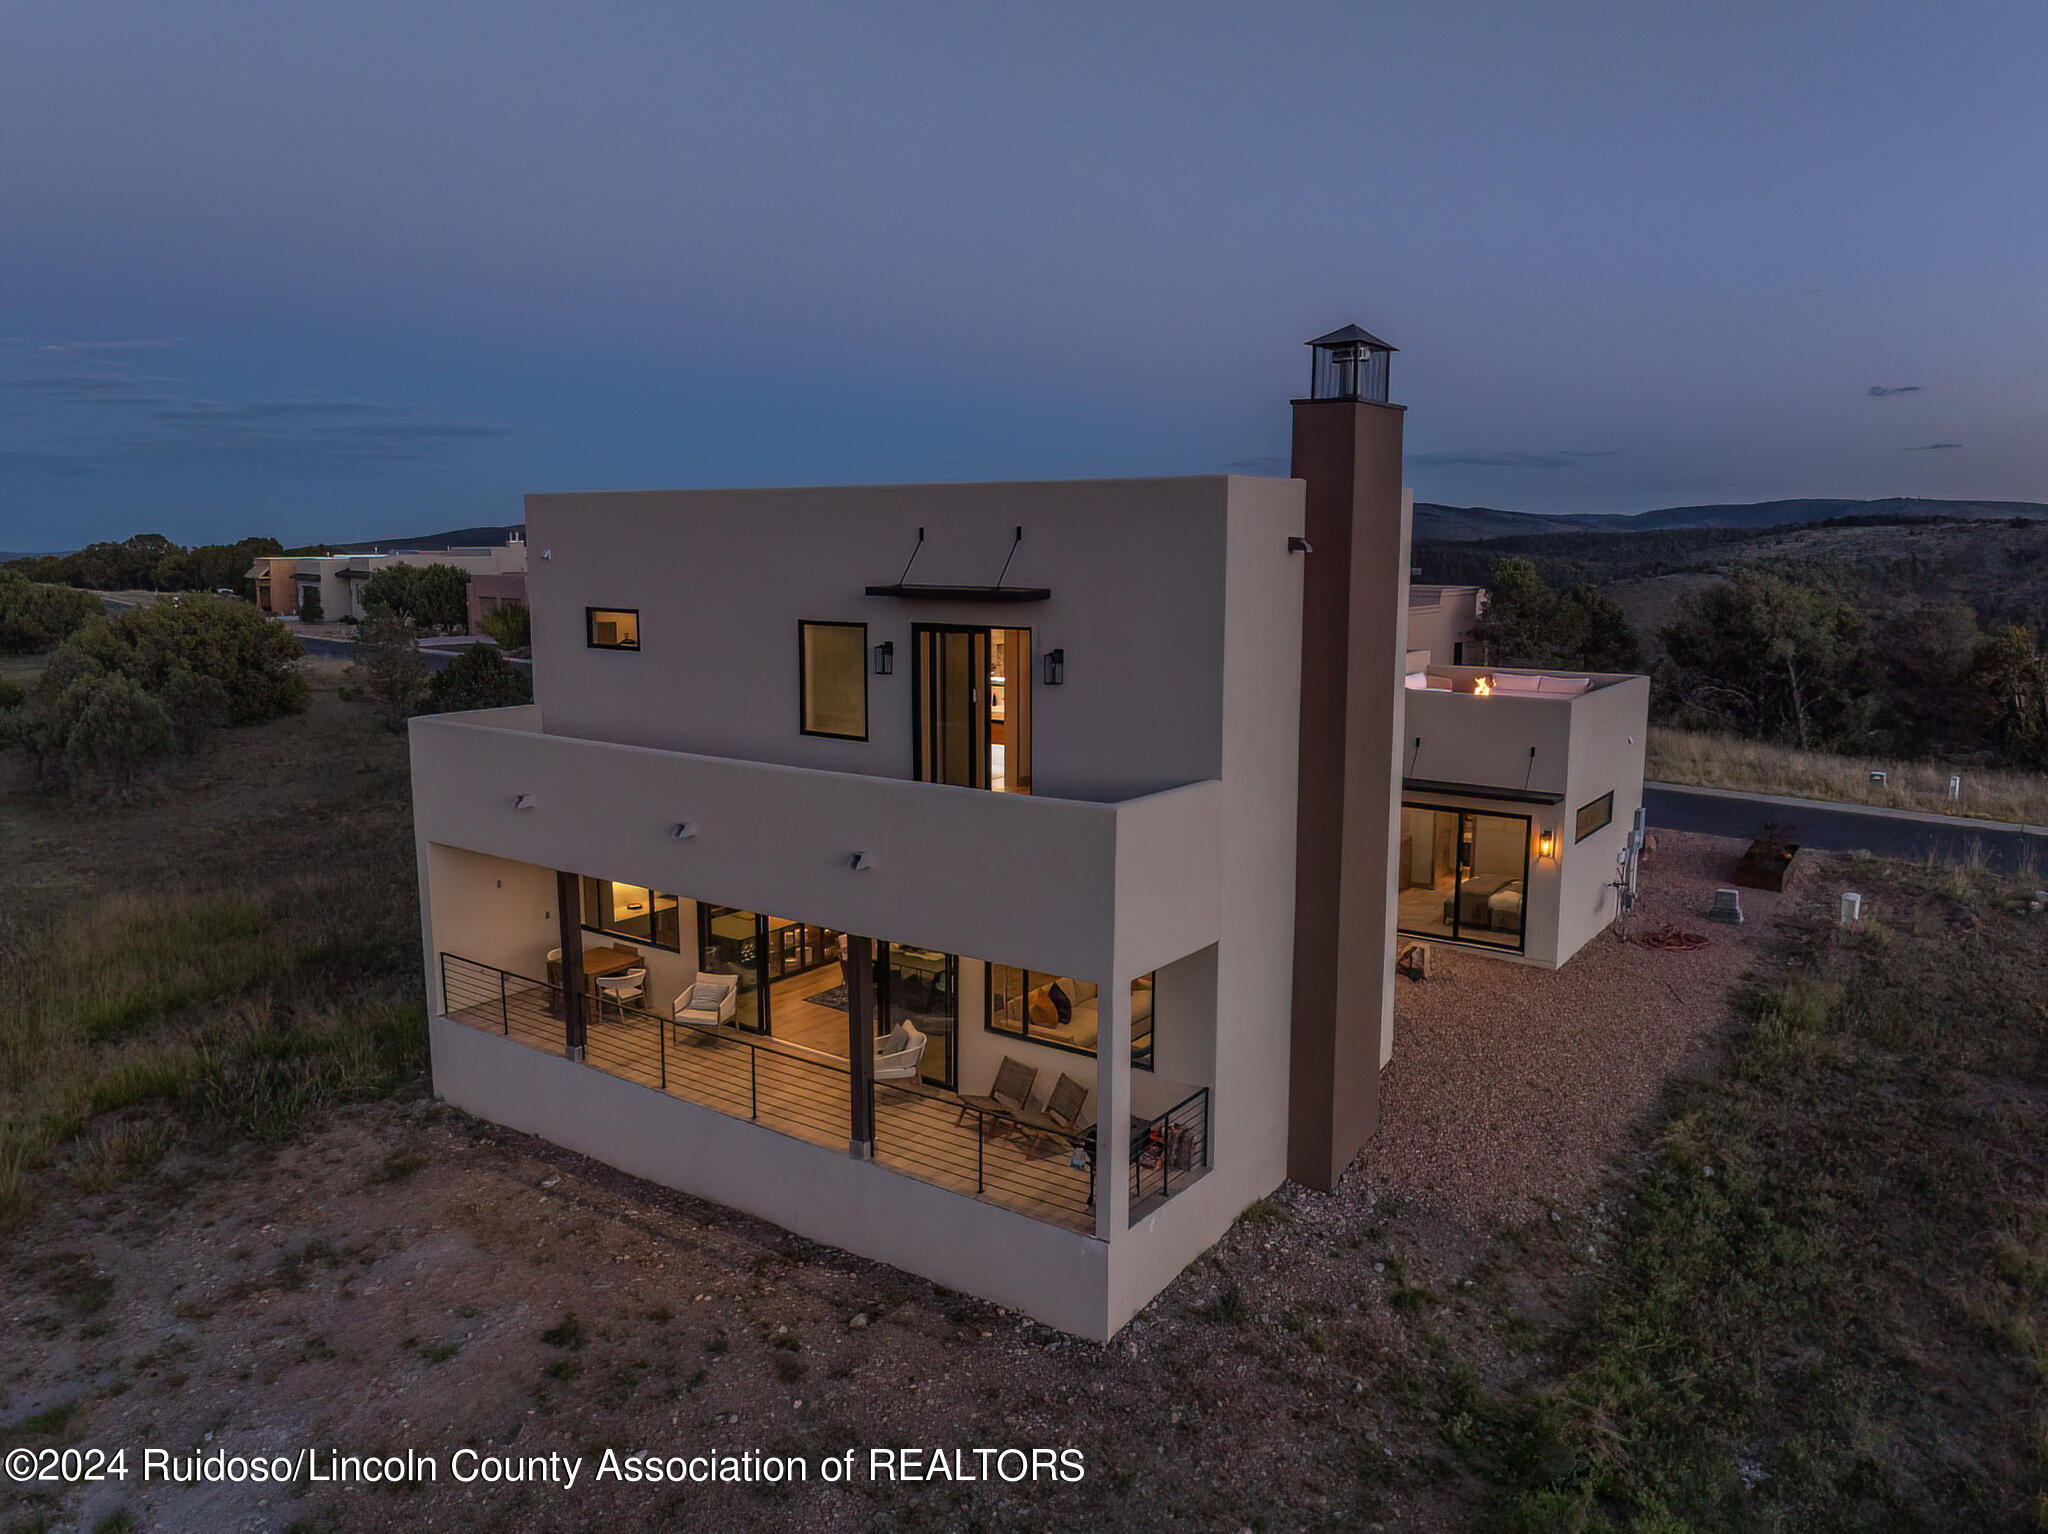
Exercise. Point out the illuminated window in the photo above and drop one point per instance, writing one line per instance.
(1595, 815)
(612, 628)
(631, 911)
(1059, 1011)
(832, 665)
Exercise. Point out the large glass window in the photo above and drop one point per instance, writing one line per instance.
(1060, 1011)
(921, 987)
(832, 664)
(1463, 875)
(612, 628)
(630, 911)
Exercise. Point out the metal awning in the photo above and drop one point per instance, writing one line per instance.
(1480, 791)
(913, 593)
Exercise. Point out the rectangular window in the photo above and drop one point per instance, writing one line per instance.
(1595, 815)
(632, 912)
(1060, 1012)
(612, 628)
(1461, 875)
(832, 672)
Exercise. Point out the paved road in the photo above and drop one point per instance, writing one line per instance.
(1849, 827)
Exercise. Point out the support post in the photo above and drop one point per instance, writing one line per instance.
(569, 926)
(858, 965)
(1113, 1111)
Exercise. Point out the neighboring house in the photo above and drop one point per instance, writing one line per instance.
(1084, 796)
(1440, 620)
(280, 581)
(489, 592)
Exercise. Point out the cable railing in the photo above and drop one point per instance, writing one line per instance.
(1023, 1162)
(1170, 1151)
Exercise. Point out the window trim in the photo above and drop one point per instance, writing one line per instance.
(1580, 818)
(1521, 943)
(631, 937)
(803, 687)
(1023, 1033)
(590, 639)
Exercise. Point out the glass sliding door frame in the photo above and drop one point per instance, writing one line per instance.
(955, 693)
(1466, 823)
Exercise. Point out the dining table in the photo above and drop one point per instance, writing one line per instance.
(605, 959)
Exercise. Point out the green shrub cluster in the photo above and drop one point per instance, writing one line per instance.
(123, 696)
(35, 617)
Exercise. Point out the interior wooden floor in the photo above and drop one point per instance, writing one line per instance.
(918, 1130)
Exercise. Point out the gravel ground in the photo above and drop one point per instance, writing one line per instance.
(1511, 1087)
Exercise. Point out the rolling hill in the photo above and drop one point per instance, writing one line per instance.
(1464, 523)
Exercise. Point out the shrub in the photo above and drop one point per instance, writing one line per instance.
(388, 670)
(430, 597)
(11, 695)
(35, 617)
(511, 626)
(478, 678)
(119, 737)
(255, 661)
(310, 610)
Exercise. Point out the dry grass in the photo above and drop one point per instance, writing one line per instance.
(1727, 761)
(223, 958)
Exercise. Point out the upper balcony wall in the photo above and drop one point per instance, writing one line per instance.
(1062, 886)
(722, 578)
(1485, 742)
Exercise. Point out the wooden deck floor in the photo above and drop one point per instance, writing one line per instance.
(917, 1132)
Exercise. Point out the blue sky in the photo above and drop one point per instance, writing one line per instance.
(364, 269)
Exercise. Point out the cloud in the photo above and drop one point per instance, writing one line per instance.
(1558, 460)
(1930, 447)
(148, 344)
(1879, 391)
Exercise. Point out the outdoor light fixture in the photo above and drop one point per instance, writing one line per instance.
(1546, 843)
(1300, 546)
(859, 863)
(525, 802)
(885, 658)
(1055, 667)
(682, 830)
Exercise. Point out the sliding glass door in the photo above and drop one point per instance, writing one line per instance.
(971, 721)
(1464, 875)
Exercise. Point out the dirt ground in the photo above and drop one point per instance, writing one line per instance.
(410, 1277)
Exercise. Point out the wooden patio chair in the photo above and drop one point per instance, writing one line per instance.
(1004, 1101)
(1051, 1130)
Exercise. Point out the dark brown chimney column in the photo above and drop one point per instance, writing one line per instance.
(1354, 632)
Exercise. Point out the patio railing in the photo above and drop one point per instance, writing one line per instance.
(922, 1131)
(1171, 1151)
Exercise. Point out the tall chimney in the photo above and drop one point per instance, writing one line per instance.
(1354, 633)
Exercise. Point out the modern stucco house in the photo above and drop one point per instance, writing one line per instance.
(280, 582)
(865, 849)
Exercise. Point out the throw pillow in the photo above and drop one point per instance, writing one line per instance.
(1043, 1013)
(1061, 1005)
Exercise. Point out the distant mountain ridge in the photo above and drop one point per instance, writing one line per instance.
(458, 538)
(1466, 523)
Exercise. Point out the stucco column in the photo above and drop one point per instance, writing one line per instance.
(1113, 1110)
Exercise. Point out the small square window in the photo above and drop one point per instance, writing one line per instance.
(612, 628)
(832, 680)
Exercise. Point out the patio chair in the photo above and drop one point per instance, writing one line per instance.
(898, 1052)
(1004, 1100)
(1058, 1121)
(628, 986)
(714, 999)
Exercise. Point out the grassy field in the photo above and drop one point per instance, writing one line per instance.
(1727, 761)
(218, 960)
(1812, 1296)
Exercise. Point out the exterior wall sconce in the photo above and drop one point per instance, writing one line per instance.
(1055, 667)
(885, 658)
(859, 863)
(1300, 546)
(525, 802)
(1546, 843)
(682, 830)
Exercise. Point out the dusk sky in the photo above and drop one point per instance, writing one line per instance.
(372, 269)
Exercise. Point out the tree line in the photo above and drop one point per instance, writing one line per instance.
(149, 562)
(1796, 663)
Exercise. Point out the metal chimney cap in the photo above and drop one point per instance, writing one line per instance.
(1350, 334)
